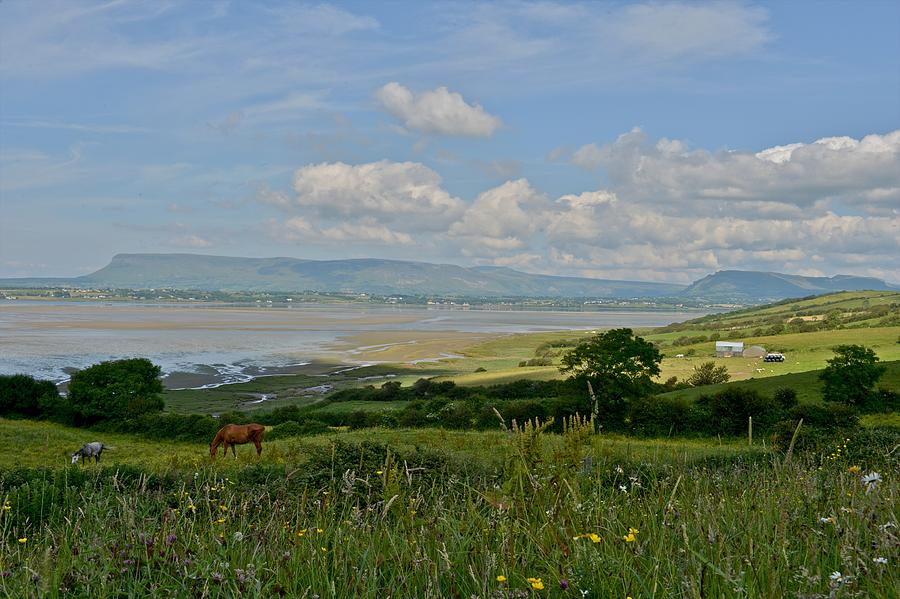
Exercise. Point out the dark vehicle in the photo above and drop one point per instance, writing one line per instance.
(774, 358)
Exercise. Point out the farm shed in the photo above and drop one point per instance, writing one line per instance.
(728, 349)
(755, 351)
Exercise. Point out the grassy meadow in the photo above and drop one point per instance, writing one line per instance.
(430, 513)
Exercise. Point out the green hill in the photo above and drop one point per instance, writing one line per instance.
(806, 384)
(752, 286)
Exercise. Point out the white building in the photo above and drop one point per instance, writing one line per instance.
(728, 349)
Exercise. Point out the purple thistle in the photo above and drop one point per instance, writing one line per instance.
(171, 539)
(564, 584)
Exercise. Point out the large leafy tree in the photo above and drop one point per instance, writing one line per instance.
(618, 364)
(851, 375)
(115, 390)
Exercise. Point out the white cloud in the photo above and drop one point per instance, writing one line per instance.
(675, 30)
(835, 168)
(407, 192)
(437, 111)
(190, 241)
(298, 230)
(501, 219)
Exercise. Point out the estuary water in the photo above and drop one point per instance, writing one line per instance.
(221, 344)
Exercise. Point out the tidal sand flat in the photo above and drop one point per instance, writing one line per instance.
(203, 345)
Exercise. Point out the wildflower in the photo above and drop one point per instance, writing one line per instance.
(320, 530)
(501, 578)
(536, 583)
(221, 520)
(836, 576)
(6, 574)
(880, 560)
(224, 508)
(623, 488)
(171, 539)
(870, 480)
(379, 472)
(564, 584)
(853, 469)
(217, 577)
(828, 520)
(238, 536)
(323, 549)
(7, 506)
(23, 540)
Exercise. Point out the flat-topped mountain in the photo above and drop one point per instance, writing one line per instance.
(755, 287)
(397, 277)
(383, 277)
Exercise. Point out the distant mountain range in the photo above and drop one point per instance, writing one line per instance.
(749, 286)
(394, 277)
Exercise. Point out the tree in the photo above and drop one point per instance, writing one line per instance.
(708, 374)
(115, 390)
(22, 395)
(618, 364)
(851, 375)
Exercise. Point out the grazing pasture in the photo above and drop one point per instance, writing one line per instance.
(430, 513)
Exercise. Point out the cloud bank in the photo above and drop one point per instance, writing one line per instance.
(815, 208)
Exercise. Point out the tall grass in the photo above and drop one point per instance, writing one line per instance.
(507, 514)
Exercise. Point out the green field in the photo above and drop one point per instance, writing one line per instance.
(429, 513)
(806, 384)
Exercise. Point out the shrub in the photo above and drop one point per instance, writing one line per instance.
(786, 398)
(115, 390)
(658, 416)
(24, 396)
(731, 409)
(708, 374)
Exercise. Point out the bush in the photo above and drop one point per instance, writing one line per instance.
(731, 409)
(27, 397)
(658, 416)
(115, 390)
(822, 424)
(292, 428)
(786, 398)
(708, 374)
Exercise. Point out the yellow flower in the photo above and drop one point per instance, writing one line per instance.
(501, 578)
(23, 540)
(853, 469)
(633, 531)
(320, 530)
(379, 472)
(6, 507)
(630, 538)
(221, 520)
(536, 583)
(224, 508)
(324, 550)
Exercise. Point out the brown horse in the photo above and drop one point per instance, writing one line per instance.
(237, 434)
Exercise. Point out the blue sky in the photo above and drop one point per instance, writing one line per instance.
(653, 141)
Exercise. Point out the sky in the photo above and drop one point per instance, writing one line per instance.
(657, 141)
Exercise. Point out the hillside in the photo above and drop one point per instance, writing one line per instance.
(396, 277)
(383, 277)
(847, 309)
(806, 384)
(751, 286)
